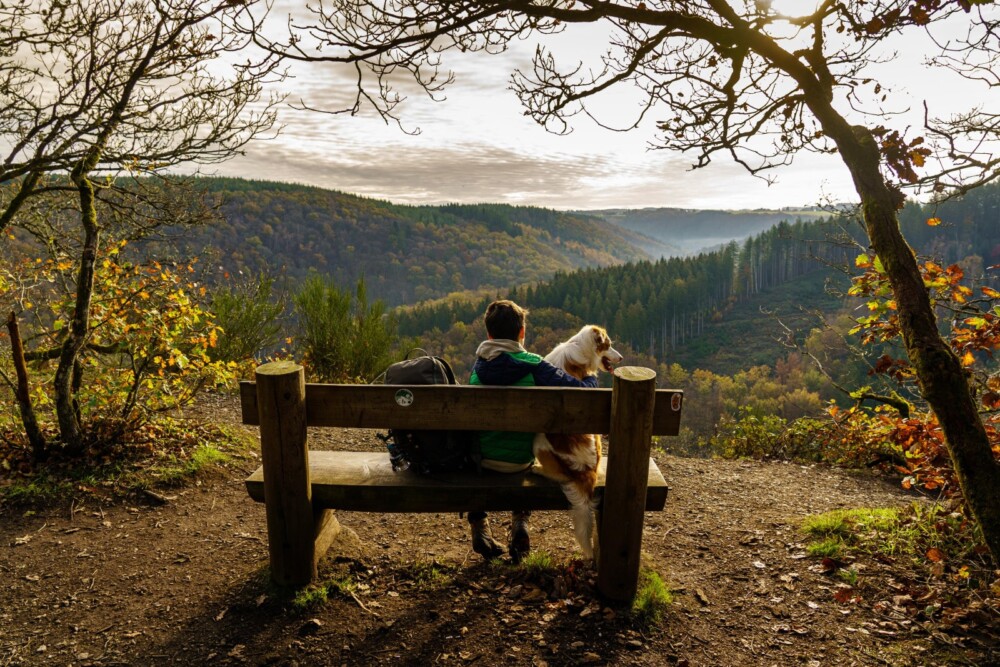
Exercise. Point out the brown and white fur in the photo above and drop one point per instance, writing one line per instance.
(569, 458)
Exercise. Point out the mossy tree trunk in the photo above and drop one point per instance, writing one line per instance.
(67, 413)
(22, 392)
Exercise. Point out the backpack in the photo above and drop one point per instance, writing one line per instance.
(427, 452)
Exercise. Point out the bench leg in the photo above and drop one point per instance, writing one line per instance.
(291, 526)
(632, 402)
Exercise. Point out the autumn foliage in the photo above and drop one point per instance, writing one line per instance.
(148, 352)
(916, 440)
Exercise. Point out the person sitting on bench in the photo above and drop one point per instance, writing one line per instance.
(502, 360)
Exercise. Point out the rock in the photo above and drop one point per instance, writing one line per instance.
(309, 627)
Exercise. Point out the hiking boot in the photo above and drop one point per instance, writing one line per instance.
(520, 542)
(482, 539)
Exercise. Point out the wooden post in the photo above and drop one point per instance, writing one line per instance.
(291, 530)
(620, 535)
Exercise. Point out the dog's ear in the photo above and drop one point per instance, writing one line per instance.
(601, 340)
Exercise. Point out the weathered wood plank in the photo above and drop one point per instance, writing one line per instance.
(531, 409)
(365, 482)
(621, 532)
(291, 531)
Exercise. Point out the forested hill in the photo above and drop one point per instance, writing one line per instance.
(689, 231)
(677, 308)
(405, 253)
(692, 309)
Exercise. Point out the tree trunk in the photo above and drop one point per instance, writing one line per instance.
(70, 428)
(23, 392)
(943, 382)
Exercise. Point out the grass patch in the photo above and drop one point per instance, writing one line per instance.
(36, 490)
(538, 562)
(652, 599)
(831, 547)
(310, 597)
(316, 595)
(922, 533)
(849, 576)
(429, 574)
(838, 530)
(848, 525)
(175, 469)
(46, 486)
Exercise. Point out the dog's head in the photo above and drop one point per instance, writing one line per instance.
(598, 344)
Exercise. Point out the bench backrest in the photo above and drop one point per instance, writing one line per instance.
(530, 409)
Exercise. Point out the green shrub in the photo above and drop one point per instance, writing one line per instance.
(767, 436)
(342, 337)
(250, 318)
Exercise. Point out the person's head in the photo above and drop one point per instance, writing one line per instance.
(505, 319)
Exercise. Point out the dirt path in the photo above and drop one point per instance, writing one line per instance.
(185, 583)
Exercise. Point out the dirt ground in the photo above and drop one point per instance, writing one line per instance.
(184, 582)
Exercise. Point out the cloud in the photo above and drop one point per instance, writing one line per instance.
(476, 145)
(427, 169)
(461, 173)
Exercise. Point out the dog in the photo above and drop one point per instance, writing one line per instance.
(569, 458)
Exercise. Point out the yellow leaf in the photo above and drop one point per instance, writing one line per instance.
(968, 359)
(933, 222)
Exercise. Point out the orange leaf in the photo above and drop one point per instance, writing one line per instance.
(934, 222)
(968, 359)
(936, 555)
(843, 594)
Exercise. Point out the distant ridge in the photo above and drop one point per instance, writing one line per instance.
(689, 231)
(405, 253)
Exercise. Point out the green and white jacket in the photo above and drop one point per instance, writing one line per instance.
(506, 363)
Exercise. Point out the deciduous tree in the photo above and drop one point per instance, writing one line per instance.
(95, 90)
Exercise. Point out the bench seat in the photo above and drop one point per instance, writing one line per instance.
(365, 482)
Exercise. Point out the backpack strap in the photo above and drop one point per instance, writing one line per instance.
(450, 374)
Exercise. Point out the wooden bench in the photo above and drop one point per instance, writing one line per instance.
(300, 488)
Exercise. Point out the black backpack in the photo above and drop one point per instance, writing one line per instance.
(427, 452)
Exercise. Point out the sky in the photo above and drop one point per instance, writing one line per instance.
(478, 146)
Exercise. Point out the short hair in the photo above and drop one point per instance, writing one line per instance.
(505, 319)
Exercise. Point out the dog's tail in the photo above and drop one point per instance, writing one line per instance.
(582, 512)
